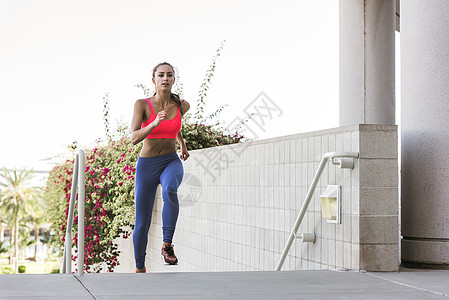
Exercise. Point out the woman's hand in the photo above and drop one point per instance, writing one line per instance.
(162, 115)
(184, 153)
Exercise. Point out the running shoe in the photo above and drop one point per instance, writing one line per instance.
(168, 254)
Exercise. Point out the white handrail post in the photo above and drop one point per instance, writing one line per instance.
(81, 198)
(302, 212)
(67, 256)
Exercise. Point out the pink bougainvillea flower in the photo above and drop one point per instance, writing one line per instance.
(106, 171)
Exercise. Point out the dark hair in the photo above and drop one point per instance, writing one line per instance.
(173, 96)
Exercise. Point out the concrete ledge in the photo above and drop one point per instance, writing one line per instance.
(425, 251)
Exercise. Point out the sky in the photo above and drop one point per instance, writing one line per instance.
(59, 58)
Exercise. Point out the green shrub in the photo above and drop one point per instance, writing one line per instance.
(200, 136)
(22, 268)
(7, 270)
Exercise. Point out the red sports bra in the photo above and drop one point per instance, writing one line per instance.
(167, 129)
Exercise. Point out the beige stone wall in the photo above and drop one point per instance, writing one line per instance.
(239, 203)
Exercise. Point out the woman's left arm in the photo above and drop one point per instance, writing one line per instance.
(185, 106)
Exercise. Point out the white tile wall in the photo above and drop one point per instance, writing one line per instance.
(243, 217)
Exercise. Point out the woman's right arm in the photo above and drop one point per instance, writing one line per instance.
(138, 134)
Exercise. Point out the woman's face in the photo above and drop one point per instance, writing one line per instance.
(164, 78)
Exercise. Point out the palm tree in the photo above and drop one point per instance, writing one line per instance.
(24, 239)
(6, 220)
(2, 229)
(16, 199)
(35, 219)
(3, 248)
(3, 223)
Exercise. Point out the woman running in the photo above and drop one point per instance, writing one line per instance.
(157, 122)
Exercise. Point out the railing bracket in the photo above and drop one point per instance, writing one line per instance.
(306, 237)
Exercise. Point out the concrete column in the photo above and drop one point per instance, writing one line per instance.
(425, 132)
(367, 38)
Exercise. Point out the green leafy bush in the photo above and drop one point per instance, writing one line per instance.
(199, 136)
(7, 270)
(22, 268)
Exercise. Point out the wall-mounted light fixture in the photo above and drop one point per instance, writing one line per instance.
(331, 204)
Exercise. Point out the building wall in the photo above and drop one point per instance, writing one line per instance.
(239, 203)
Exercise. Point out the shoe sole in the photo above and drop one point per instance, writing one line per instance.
(166, 263)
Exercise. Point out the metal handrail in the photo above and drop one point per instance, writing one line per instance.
(78, 180)
(337, 158)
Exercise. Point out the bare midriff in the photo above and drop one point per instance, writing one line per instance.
(155, 147)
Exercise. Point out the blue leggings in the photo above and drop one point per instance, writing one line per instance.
(150, 171)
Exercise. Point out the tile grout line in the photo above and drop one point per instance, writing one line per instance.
(76, 277)
(407, 285)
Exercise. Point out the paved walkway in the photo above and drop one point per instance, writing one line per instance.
(325, 284)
